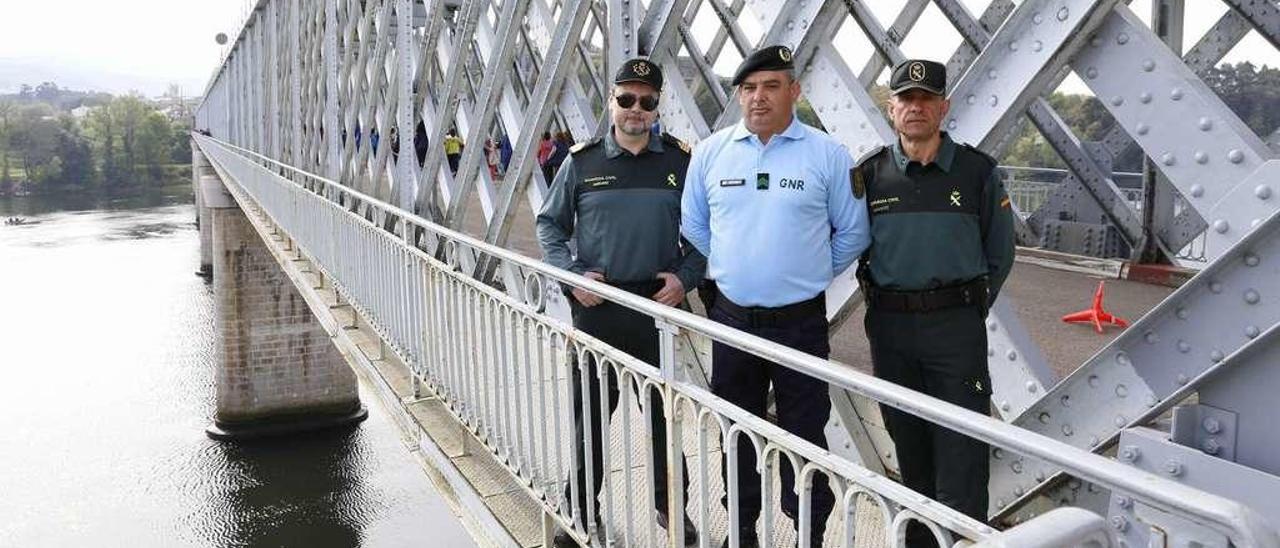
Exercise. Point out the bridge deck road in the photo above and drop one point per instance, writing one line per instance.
(1043, 295)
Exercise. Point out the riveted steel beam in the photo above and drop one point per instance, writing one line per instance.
(550, 80)
(1264, 15)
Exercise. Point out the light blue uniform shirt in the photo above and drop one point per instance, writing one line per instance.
(782, 244)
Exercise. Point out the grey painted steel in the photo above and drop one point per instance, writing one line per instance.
(1264, 15)
(406, 126)
(1152, 451)
(1155, 362)
(550, 80)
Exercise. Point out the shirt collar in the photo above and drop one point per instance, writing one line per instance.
(612, 149)
(794, 131)
(946, 154)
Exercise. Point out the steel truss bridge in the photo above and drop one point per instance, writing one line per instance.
(1165, 436)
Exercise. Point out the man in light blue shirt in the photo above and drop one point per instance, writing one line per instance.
(770, 203)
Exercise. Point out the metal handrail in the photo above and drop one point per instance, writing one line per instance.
(1230, 518)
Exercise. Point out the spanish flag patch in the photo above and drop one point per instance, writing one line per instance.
(1005, 202)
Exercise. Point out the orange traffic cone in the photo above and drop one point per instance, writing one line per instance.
(1096, 315)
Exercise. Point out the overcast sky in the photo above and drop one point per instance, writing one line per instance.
(117, 45)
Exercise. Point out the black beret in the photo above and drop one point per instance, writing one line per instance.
(919, 73)
(639, 70)
(770, 58)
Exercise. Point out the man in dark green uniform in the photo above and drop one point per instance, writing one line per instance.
(619, 196)
(942, 245)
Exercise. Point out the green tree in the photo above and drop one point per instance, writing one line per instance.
(7, 112)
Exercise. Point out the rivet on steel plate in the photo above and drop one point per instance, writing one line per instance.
(1016, 466)
(1119, 523)
(1201, 157)
(1120, 421)
(1129, 454)
(1262, 192)
(1144, 97)
(1011, 355)
(1182, 378)
(1142, 129)
(993, 100)
(1037, 45)
(1184, 347)
(1065, 400)
(1250, 259)
(1148, 65)
(1215, 287)
(1205, 124)
(1124, 502)
(997, 453)
(1221, 226)
(991, 351)
(1122, 391)
(1117, 101)
(1175, 94)
(1173, 468)
(1211, 446)
(1167, 159)
(1063, 13)
(1032, 387)
(970, 99)
(1094, 381)
(1122, 39)
(1004, 405)
(1091, 73)
(1037, 19)
(1235, 156)
(1211, 425)
(1251, 296)
(1251, 332)
(1151, 337)
(1066, 430)
(1043, 417)
(1013, 46)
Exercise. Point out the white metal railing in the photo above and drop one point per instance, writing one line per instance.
(499, 363)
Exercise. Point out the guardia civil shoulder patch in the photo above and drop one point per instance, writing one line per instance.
(859, 185)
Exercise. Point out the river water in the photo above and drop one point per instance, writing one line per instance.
(107, 356)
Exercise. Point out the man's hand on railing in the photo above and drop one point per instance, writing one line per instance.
(672, 292)
(587, 298)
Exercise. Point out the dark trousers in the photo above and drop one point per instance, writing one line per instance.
(942, 353)
(633, 333)
(803, 405)
(453, 161)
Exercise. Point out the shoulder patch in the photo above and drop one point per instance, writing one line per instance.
(859, 181)
(672, 140)
(581, 146)
(868, 154)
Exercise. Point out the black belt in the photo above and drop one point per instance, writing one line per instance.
(646, 288)
(971, 293)
(761, 316)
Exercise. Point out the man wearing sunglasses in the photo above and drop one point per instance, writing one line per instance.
(769, 202)
(619, 197)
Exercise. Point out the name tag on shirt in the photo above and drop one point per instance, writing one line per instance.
(732, 182)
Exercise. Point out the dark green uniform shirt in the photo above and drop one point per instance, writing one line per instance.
(939, 224)
(623, 209)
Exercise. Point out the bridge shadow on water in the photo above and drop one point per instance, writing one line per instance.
(302, 490)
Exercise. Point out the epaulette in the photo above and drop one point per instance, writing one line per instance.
(581, 146)
(868, 154)
(986, 157)
(673, 141)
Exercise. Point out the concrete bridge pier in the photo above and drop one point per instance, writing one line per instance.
(278, 372)
(202, 175)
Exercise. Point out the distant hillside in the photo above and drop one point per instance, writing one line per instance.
(14, 72)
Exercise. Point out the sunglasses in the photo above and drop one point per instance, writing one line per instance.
(647, 102)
